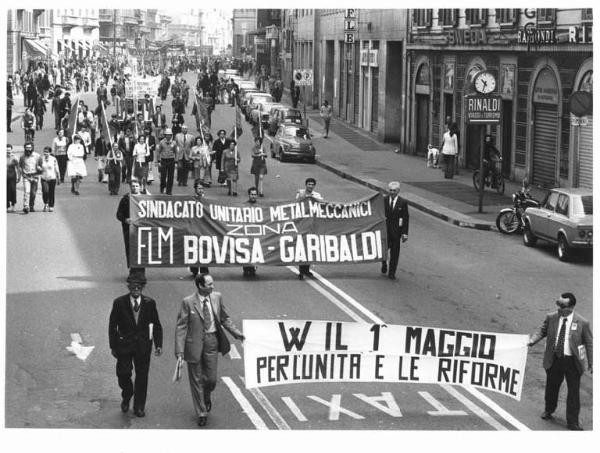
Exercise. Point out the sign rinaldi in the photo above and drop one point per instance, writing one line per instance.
(483, 109)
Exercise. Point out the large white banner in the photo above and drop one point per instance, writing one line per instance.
(138, 87)
(287, 352)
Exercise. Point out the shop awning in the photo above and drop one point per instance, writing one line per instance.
(35, 48)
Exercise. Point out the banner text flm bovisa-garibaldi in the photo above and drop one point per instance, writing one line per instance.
(178, 231)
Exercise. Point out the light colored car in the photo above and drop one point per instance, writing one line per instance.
(256, 98)
(281, 115)
(262, 112)
(292, 141)
(564, 218)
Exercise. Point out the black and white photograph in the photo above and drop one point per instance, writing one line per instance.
(346, 224)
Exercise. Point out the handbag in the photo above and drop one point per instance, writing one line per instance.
(222, 177)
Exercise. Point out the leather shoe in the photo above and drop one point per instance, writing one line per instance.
(392, 277)
(300, 276)
(207, 402)
(575, 427)
(547, 415)
(139, 413)
(202, 421)
(124, 405)
(384, 268)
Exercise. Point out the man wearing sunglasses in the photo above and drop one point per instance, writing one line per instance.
(568, 351)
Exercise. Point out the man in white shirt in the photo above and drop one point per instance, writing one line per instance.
(568, 350)
(302, 194)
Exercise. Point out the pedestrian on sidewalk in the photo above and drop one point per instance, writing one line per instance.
(114, 160)
(325, 113)
(59, 150)
(50, 178)
(569, 351)
(132, 328)
(303, 194)
(396, 220)
(13, 176)
(30, 168)
(76, 169)
(449, 150)
(199, 337)
(259, 165)
(230, 166)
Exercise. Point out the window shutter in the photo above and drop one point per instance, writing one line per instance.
(429, 16)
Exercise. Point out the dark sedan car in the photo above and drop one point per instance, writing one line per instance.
(292, 141)
(565, 218)
(284, 115)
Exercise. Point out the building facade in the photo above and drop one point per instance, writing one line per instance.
(75, 32)
(540, 57)
(29, 38)
(243, 22)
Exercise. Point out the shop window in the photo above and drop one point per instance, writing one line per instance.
(506, 15)
(587, 14)
(448, 17)
(476, 16)
(546, 14)
(422, 17)
(586, 83)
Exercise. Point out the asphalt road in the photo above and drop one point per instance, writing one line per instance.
(65, 268)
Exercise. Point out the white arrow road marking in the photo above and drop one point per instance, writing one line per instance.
(474, 408)
(245, 404)
(273, 414)
(80, 351)
(390, 407)
(335, 407)
(295, 409)
(441, 409)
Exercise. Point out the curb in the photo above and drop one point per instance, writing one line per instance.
(413, 203)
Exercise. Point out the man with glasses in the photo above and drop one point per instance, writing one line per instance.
(133, 326)
(568, 351)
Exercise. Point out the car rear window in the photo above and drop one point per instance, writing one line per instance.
(583, 205)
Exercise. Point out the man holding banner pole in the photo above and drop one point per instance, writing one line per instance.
(302, 194)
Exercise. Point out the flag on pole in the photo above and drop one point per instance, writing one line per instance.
(105, 129)
(72, 123)
(237, 129)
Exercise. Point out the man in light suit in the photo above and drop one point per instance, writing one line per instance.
(568, 351)
(396, 219)
(132, 327)
(199, 338)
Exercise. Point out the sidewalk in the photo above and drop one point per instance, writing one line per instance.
(357, 156)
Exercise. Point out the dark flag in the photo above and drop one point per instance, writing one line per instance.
(237, 130)
(199, 111)
(72, 121)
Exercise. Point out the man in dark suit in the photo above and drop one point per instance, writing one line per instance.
(199, 337)
(396, 219)
(160, 122)
(123, 216)
(133, 326)
(568, 351)
(126, 145)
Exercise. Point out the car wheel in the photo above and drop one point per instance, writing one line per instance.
(564, 251)
(282, 156)
(529, 238)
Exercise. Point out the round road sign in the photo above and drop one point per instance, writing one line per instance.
(581, 103)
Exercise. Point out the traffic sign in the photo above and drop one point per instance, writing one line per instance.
(303, 77)
(483, 109)
(581, 103)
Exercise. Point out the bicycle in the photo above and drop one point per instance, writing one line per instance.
(493, 179)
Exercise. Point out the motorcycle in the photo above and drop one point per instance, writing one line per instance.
(493, 179)
(510, 220)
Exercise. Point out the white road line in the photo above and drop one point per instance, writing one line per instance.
(348, 298)
(245, 404)
(273, 413)
(331, 297)
(440, 408)
(335, 407)
(495, 407)
(294, 409)
(234, 353)
(474, 408)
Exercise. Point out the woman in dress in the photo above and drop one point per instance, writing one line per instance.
(229, 165)
(114, 160)
(59, 150)
(259, 165)
(140, 153)
(449, 150)
(200, 155)
(50, 178)
(76, 164)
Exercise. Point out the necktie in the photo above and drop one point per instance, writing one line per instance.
(136, 305)
(391, 203)
(560, 344)
(206, 313)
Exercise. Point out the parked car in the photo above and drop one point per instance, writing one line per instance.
(246, 85)
(565, 217)
(245, 98)
(232, 73)
(255, 99)
(262, 113)
(292, 141)
(281, 115)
